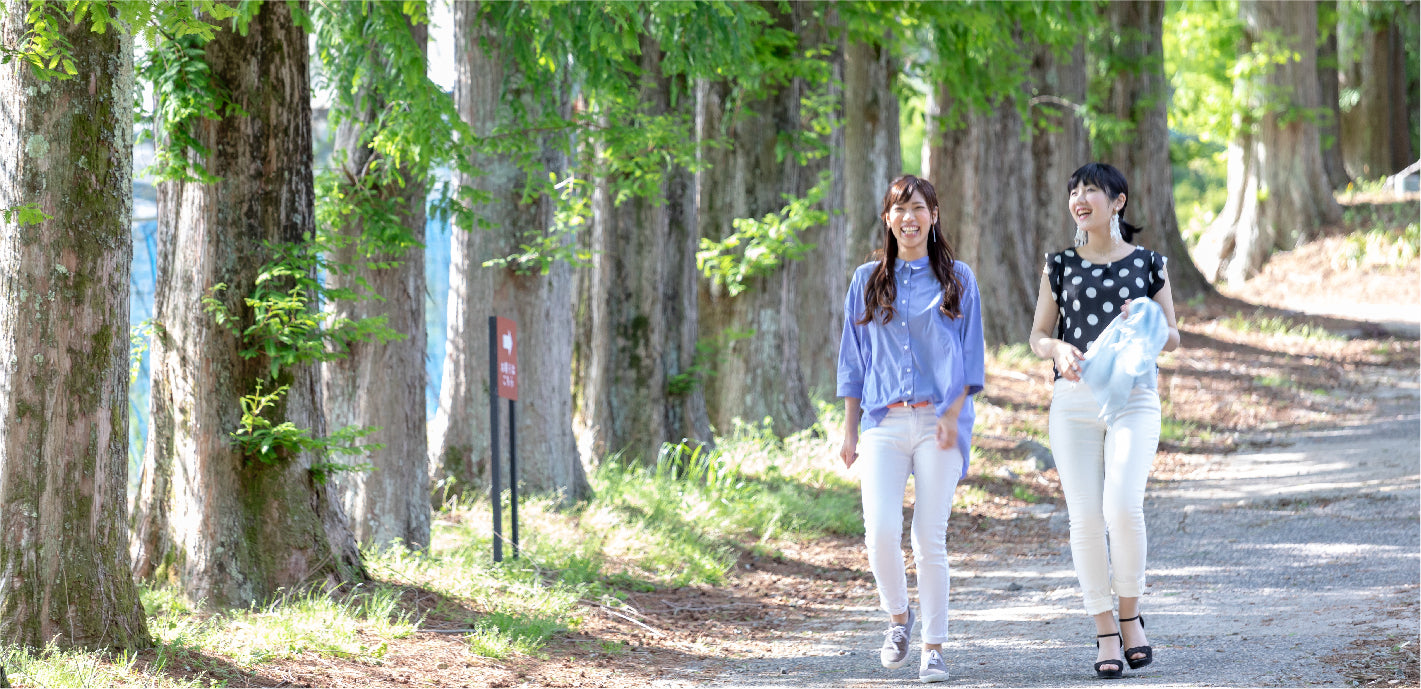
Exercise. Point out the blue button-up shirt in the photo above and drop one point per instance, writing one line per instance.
(919, 356)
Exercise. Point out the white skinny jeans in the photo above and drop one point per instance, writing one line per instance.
(1103, 473)
(906, 443)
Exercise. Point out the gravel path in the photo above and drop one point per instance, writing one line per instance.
(1261, 573)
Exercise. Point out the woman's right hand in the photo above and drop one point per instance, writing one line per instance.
(850, 451)
(1068, 360)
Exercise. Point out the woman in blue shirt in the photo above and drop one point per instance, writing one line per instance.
(910, 359)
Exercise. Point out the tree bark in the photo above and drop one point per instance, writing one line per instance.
(636, 385)
(1059, 145)
(984, 173)
(871, 157)
(229, 528)
(1329, 126)
(68, 147)
(757, 372)
(822, 275)
(1278, 191)
(1376, 132)
(540, 304)
(381, 385)
(1140, 95)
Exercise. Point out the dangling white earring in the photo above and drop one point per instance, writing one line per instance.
(1115, 229)
(1080, 237)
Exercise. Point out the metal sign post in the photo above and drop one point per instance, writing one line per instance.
(503, 373)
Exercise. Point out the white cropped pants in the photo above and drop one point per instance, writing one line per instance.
(1103, 473)
(906, 443)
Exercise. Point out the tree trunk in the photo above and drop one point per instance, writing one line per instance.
(1140, 95)
(382, 384)
(68, 147)
(232, 529)
(1329, 128)
(541, 305)
(757, 371)
(1376, 132)
(822, 275)
(1278, 192)
(869, 159)
(1059, 145)
(635, 382)
(984, 173)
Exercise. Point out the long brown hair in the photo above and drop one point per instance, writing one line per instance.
(882, 288)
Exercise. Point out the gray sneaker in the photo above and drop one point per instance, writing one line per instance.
(894, 653)
(933, 668)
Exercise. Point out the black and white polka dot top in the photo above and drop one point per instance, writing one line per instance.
(1089, 295)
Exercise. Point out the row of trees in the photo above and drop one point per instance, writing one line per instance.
(668, 198)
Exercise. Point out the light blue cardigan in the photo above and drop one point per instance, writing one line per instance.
(1123, 357)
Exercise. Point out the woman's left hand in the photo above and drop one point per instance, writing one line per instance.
(947, 430)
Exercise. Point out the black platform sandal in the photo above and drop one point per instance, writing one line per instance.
(1116, 668)
(1149, 657)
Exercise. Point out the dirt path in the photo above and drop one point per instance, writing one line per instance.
(1296, 565)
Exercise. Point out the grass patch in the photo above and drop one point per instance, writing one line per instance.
(1015, 356)
(1179, 432)
(52, 667)
(287, 626)
(1381, 247)
(969, 496)
(1276, 326)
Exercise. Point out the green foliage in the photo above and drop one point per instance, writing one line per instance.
(285, 328)
(24, 214)
(409, 125)
(976, 51)
(758, 247)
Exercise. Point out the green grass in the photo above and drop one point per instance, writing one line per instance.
(52, 667)
(1015, 356)
(1382, 246)
(683, 520)
(1180, 432)
(968, 496)
(1278, 326)
(287, 626)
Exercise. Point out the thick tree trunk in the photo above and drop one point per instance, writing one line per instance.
(232, 529)
(541, 305)
(1278, 191)
(1329, 125)
(868, 159)
(757, 372)
(984, 173)
(872, 150)
(1376, 132)
(459, 433)
(382, 384)
(821, 275)
(67, 147)
(635, 386)
(1059, 145)
(1140, 95)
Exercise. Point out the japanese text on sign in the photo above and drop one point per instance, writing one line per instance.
(507, 339)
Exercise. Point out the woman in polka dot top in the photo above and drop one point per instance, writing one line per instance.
(1103, 467)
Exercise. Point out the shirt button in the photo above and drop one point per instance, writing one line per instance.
(905, 346)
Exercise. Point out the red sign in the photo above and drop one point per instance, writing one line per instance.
(507, 345)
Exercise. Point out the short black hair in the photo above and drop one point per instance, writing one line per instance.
(1111, 181)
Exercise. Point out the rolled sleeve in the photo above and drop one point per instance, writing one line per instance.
(974, 347)
(851, 358)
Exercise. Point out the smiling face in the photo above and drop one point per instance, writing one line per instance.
(1091, 207)
(911, 221)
